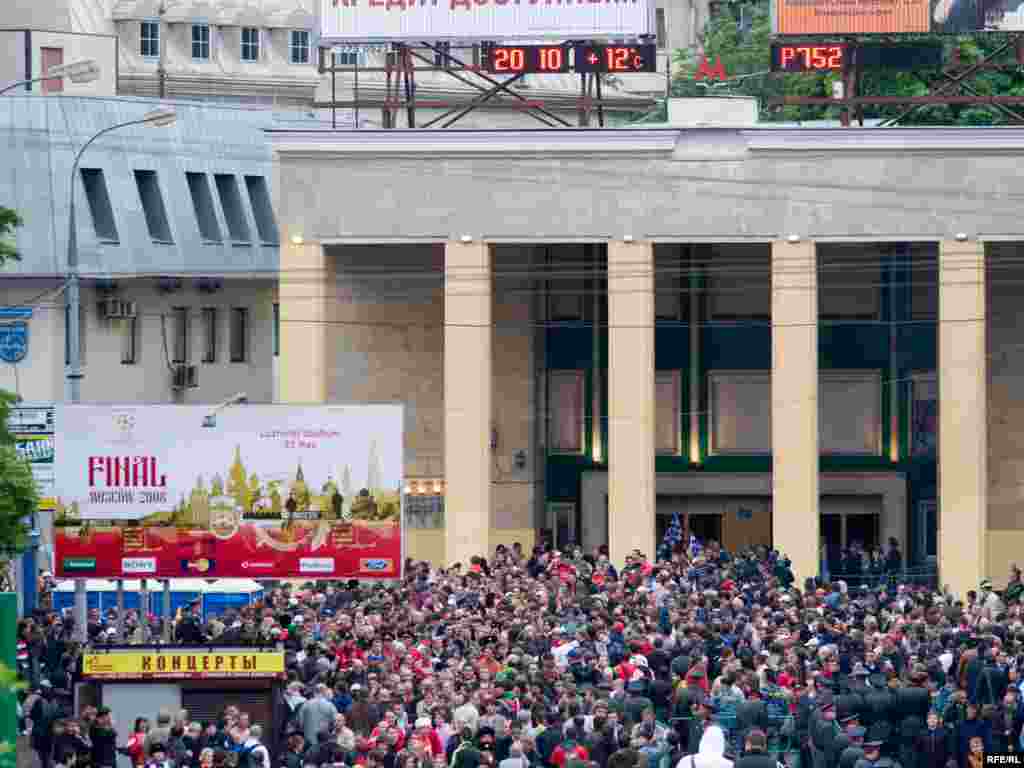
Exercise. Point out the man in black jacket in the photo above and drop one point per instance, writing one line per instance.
(104, 740)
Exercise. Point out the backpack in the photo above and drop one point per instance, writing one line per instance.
(245, 757)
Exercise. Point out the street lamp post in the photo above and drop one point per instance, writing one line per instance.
(160, 118)
(84, 71)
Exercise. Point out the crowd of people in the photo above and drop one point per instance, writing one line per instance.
(548, 659)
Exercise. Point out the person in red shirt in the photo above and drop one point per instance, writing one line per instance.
(569, 749)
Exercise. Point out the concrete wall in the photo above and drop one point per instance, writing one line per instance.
(21, 58)
(44, 14)
(704, 184)
(386, 343)
(107, 380)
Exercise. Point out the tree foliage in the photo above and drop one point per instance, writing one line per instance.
(740, 34)
(9, 221)
(19, 498)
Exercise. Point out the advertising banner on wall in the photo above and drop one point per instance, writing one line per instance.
(182, 665)
(167, 491)
(846, 17)
(495, 20)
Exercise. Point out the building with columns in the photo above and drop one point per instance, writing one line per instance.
(799, 338)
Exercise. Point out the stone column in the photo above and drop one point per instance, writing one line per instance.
(963, 426)
(631, 478)
(467, 400)
(306, 292)
(794, 404)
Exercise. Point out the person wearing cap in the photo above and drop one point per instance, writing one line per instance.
(854, 751)
(824, 732)
(873, 757)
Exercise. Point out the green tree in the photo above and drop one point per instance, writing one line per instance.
(746, 56)
(19, 497)
(216, 486)
(275, 499)
(9, 221)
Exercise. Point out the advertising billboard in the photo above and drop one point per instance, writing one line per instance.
(256, 491)
(183, 665)
(865, 17)
(473, 20)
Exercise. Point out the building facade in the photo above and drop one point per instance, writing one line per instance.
(177, 243)
(764, 330)
(266, 52)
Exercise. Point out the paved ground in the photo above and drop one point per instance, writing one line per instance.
(26, 757)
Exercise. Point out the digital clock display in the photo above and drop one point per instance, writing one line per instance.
(525, 59)
(555, 59)
(809, 58)
(615, 58)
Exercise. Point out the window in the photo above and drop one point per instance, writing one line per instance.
(738, 282)
(250, 44)
(129, 340)
(741, 411)
(262, 210)
(346, 58)
(924, 283)
(924, 414)
(209, 317)
(200, 42)
(566, 287)
(239, 335)
(149, 39)
(51, 57)
(99, 204)
(231, 202)
(661, 28)
(276, 331)
(850, 413)
(153, 206)
(298, 46)
(849, 283)
(202, 203)
(668, 282)
(667, 393)
(565, 411)
(180, 341)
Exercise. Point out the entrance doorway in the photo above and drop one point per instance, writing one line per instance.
(706, 527)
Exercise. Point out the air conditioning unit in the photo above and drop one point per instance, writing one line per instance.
(112, 308)
(185, 377)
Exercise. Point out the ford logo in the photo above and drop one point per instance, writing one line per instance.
(376, 565)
